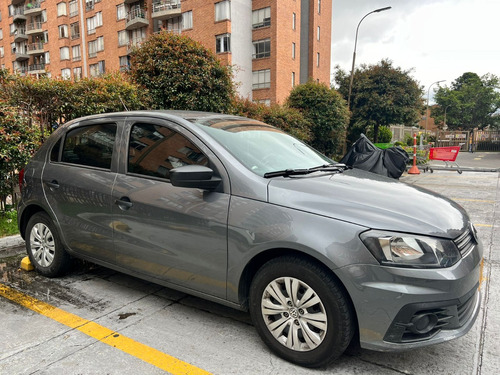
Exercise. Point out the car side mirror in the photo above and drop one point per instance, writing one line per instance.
(194, 176)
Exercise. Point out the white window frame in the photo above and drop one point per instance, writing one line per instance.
(63, 31)
(66, 73)
(259, 48)
(123, 38)
(261, 18)
(187, 20)
(222, 11)
(223, 43)
(62, 9)
(76, 52)
(261, 79)
(64, 53)
(73, 8)
(121, 12)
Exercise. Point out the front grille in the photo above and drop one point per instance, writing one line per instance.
(466, 241)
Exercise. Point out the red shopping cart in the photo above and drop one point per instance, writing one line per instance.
(446, 154)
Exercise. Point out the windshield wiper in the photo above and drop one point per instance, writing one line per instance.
(301, 171)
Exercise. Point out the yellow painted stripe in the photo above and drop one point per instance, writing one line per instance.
(484, 225)
(103, 334)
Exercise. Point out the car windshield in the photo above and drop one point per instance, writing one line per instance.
(260, 147)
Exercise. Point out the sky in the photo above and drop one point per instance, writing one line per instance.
(435, 39)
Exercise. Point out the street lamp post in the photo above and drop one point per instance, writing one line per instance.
(354, 53)
(427, 114)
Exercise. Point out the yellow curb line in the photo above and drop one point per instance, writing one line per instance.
(105, 335)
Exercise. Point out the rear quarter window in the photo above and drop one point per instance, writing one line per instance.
(90, 146)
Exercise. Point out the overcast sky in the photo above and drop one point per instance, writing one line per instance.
(437, 39)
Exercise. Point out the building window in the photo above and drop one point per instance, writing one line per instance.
(121, 13)
(77, 73)
(61, 9)
(93, 22)
(294, 21)
(73, 8)
(122, 38)
(223, 43)
(223, 11)
(66, 73)
(187, 20)
(1, 51)
(75, 30)
(64, 52)
(97, 69)
(318, 33)
(293, 50)
(47, 58)
(261, 79)
(261, 18)
(1, 34)
(76, 53)
(261, 48)
(124, 63)
(263, 101)
(89, 4)
(63, 31)
(96, 46)
(13, 28)
(293, 79)
(319, 6)
(317, 59)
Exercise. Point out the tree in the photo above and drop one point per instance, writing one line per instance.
(327, 112)
(181, 74)
(382, 95)
(290, 120)
(470, 102)
(18, 141)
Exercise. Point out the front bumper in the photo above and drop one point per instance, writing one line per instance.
(405, 308)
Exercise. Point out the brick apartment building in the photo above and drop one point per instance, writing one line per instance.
(273, 44)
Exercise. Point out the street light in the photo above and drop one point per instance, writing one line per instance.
(354, 53)
(427, 114)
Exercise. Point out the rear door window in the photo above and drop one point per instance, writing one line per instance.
(90, 146)
(154, 150)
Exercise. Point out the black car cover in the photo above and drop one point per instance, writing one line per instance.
(365, 155)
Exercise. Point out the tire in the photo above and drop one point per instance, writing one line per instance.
(310, 333)
(44, 246)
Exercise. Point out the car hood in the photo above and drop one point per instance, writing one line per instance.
(372, 201)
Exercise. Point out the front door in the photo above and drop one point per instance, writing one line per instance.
(173, 234)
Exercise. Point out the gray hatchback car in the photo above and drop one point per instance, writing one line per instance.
(236, 211)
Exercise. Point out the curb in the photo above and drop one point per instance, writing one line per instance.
(9, 242)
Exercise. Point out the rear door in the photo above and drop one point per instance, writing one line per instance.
(78, 181)
(170, 233)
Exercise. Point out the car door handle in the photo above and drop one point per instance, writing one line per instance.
(53, 185)
(124, 203)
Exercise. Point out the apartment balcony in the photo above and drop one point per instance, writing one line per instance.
(166, 9)
(21, 71)
(20, 35)
(33, 8)
(15, 2)
(36, 48)
(21, 55)
(36, 69)
(18, 14)
(34, 28)
(136, 19)
(130, 1)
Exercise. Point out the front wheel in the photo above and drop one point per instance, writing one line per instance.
(44, 247)
(300, 311)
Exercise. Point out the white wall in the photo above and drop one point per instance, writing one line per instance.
(241, 46)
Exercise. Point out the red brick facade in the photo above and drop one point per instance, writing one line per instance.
(40, 37)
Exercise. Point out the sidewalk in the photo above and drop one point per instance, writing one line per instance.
(11, 242)
(475, 161)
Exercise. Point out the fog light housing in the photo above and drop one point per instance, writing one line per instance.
(423, 323)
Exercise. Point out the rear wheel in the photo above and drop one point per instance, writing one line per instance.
(44, 247)
(300, 311)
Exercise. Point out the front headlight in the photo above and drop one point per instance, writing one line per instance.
(398, 249)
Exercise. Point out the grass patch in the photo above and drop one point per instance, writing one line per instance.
(8, 223)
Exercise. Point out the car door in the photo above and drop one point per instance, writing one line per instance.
(173, 234)
(78, 181)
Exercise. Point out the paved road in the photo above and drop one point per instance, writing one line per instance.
(216, 339)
